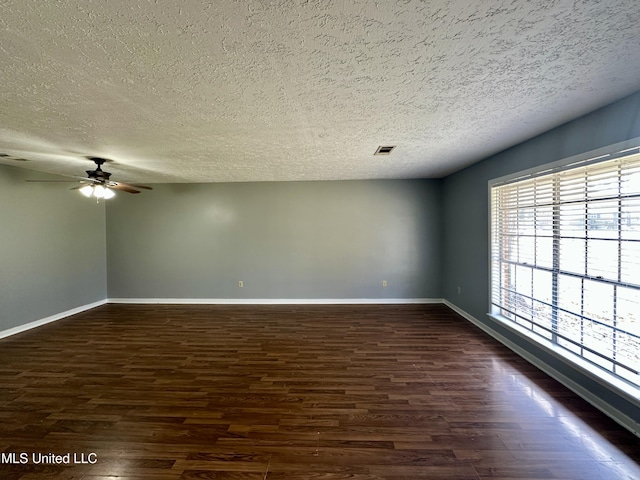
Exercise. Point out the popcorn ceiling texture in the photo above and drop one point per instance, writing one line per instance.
(230, 91)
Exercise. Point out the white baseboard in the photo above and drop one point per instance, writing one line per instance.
(52, 318)
(216, 301)
(275, 301)
(613, 413)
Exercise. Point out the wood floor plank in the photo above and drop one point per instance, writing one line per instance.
(373, 392)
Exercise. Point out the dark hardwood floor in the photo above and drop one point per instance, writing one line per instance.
(291, 392)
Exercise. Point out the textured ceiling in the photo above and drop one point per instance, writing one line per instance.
(185, 91)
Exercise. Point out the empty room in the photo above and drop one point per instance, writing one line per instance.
(320, 240)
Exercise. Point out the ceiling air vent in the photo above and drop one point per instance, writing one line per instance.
(384, 150)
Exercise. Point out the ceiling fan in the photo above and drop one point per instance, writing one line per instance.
(98, 183)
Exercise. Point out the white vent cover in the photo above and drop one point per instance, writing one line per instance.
(385, 150)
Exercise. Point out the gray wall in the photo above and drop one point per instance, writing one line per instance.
(52, 248)
(466, 215)
(293, 240)
(465, 194)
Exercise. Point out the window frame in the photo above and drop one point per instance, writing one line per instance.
(621, 386)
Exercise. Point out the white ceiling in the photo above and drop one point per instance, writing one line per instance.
(234, 90)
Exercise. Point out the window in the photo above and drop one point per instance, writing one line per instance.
(565, 259)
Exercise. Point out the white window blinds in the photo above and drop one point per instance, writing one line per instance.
(565, 259)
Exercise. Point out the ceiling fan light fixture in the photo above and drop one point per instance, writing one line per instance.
(87, 190)
(97, 191)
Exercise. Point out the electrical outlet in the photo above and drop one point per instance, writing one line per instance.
(384, 283)
(240, 283)
(459, 290)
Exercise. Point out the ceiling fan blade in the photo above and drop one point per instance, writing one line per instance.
(51, 181)
(123, 187)
(98, 177)
(134, 186)
(87, 179)
(78, 179)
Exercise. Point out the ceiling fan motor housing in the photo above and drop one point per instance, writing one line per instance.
(98, 173)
